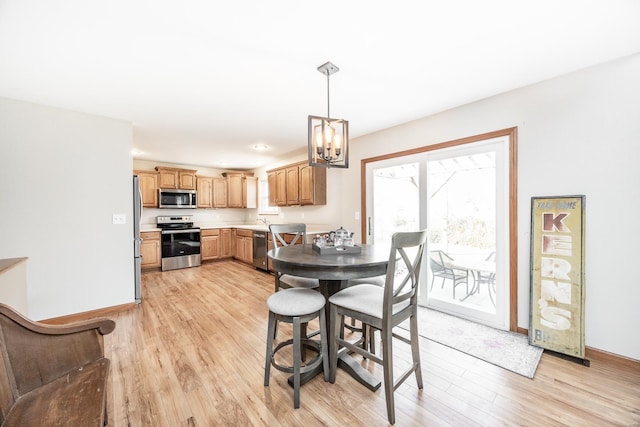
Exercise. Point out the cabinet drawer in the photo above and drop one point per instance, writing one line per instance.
(244, 233)
(150, 235)
(210, 232)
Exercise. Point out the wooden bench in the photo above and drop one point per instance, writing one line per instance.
(52, 375)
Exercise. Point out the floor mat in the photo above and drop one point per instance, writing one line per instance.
(508, 350)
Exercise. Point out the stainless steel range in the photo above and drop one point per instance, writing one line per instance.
(180, 242)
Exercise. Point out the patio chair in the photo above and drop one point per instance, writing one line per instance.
(488, 278)
(440, 264)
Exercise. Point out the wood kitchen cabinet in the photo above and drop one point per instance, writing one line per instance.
(210, 244)
(234, 190)
(312, 186)
(184, 179)
(216, 244)
(277, 181)
(148, 188)
(293, 178)
(168, 177)
(150, 250)
(242, 190)
(204, 186)
(244, 246)
(226, 243)
(297, 184)
(219, 192)
(187, 179)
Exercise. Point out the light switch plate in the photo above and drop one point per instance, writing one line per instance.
(119, 218)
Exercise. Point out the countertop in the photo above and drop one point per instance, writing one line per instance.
(8, 263)
(311, 228)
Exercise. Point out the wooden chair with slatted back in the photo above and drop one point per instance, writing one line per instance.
(384, 308)
(290, 234)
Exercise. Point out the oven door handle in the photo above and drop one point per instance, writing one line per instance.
(182, 231)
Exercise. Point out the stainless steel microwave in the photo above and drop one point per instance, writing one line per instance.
(177, 199)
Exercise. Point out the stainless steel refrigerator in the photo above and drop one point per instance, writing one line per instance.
(137, 216)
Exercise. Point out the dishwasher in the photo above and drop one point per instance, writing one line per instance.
(260, 250)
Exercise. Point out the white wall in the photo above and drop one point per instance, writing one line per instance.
(62, 177)
(577, 134)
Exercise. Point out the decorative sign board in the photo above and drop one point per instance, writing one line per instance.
(557, 274)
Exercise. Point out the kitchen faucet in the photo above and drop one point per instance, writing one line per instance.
(264, 221)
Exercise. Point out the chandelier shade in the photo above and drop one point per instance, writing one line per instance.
(328, 137)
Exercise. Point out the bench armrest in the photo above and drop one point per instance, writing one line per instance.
(103, 325)
(38, 353)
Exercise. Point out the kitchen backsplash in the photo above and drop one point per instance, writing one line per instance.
(221, 216)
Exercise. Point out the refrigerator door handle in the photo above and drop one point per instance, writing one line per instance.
(136, 247)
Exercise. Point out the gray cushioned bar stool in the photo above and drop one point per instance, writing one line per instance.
(297, 306)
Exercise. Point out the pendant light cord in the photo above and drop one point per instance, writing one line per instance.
(328, 108)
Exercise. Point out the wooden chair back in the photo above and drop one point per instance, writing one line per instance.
(403, 270)
(298, 230)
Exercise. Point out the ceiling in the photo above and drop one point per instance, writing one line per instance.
(203, 81)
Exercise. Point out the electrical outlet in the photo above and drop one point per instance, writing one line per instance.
(357, 216)
(119, 219)
(302, 215)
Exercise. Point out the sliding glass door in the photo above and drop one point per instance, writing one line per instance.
(460, 194)
(396, 199)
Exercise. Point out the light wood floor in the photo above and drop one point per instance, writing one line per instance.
(192, 354)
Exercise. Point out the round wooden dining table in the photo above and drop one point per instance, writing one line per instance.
(333, 271)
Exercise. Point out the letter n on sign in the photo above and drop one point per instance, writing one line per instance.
(557, 274)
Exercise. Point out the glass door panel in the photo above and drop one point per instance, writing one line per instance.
(396, 200)
(462, 230)
(460, 195)
(467, 196)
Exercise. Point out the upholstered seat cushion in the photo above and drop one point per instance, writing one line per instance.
(366, 299)
(299, 282)
(295, 302)
(377, 280)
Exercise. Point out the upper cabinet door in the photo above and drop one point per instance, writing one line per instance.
(204, 186)
(234, 189)
(281, 187)
(219, 192)
(187, 180)
(148, 188)
(168, 178)
(313, 185)
(293, 195)
(184, 179)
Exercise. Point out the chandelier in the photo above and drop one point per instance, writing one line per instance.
(328, 137)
